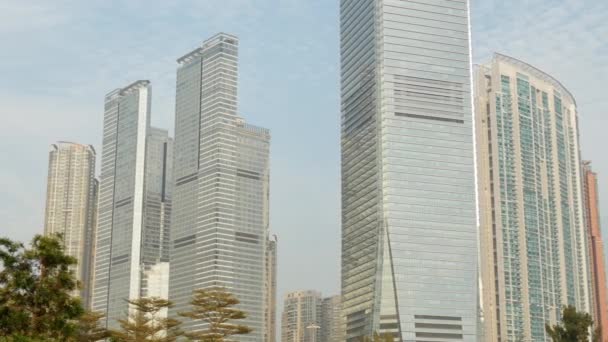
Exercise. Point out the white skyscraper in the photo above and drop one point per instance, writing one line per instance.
(409, 223)
(70, 204)
(331, 319)
(534, 243)
(219, 225)
(301, 317)
(134, 203)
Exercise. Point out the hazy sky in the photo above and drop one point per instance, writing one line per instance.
(59, 58)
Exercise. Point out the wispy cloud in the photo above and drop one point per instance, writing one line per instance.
(18, 17)
(559, 36)
(565, 38)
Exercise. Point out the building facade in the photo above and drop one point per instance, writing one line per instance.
(134, 202)
(331, 318)
(271, 289)
(157, 283)
(596, 250)
(409, 230)
(220, 204)
(157, 216)
(533, 238)
(301, 317)
(71, 205)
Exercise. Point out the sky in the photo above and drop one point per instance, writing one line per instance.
(59, 58)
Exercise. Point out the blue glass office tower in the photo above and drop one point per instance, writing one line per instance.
(409, 225)
(134, 206)
(219, 223)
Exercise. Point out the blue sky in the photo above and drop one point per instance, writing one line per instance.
(58, 59)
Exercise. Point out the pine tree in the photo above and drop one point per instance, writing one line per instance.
(215, 307)
(146, 323)
(36, 287)
(89, 329)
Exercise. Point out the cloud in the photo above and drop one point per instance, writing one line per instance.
(556, 33)
(565, 38)
(17, 16)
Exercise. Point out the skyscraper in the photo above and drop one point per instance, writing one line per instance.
(331, 318)
(91, 247)
(271, 289)
(157, 215)
(70, 204)
(409, 232)
(596, 249)
(533, 239)
(220, 205)
(134, 202)
(308, 317)
(301, 314)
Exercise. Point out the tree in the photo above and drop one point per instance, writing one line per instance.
(380, 338)
(88, 328)
(146, 322)
(574, 326)
(215, 306)
(36, 287)
(21, 338)
(597, 334)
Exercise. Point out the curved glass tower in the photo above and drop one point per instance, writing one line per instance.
(533, 238)
(409, 232)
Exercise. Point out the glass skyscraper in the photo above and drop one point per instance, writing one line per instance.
(533, 239)
(71, 202)
(134, 202)
(157, 216)
(409, 230)
(220, 206)
(271, 289)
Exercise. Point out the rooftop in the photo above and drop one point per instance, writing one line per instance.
(69, 144)
(536, 73)
(134, 86)
(208, 43)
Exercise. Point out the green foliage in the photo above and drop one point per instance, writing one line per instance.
(215, 307)
(380, 338)
(145, 322)
(597, 334)
(36, 286)
(89, 328)
(574, 326)
(20, 338)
